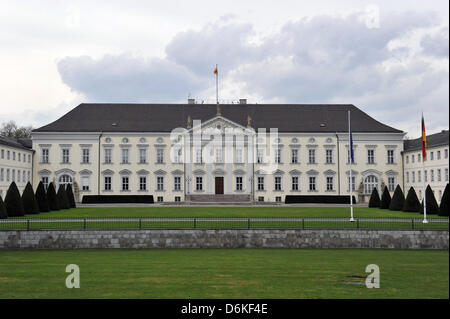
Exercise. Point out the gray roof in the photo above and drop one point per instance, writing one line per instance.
(433, 140)
(165, 117)
(22, 143)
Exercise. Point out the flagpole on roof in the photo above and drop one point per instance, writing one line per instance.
(424, 158)
(350, 149)
(216, 72)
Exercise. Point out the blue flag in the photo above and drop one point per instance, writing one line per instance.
(352, 158)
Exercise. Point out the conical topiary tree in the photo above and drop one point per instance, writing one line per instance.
(70, 196)
(30, 205)
(3, 213)
(13, 201)
(41, 198)
(443, 208)
(53, 202)
(385, 199)
(374, 201)
(62, 197)
(412, 203)
(432, 205)
(398, 199)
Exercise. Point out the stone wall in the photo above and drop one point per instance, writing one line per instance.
(233, 238)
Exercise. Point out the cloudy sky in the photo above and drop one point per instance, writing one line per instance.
(389, 58)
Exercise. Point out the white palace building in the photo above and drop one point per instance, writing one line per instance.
(219, 153)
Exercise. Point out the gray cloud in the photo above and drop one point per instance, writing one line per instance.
(437, 45)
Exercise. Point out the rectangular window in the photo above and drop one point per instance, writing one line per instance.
(85, 183)
(413, 176)
(391, 183)
(312, 156)
(260, 198)
(7, 174)
(277, 156)
(3, 154)
(260, 155)
(199, 183)
(446, 174)
(160, 156)
(295, 183)
(85, 157)
(407, 159)
(431, 156)
(2, 175)
(65, 155)
(278, 199)
(142, 155)
(371, 156)
(260, 183)
(419, 176)
(29, 176)
(198, 156)
(439, 175)
(219, 155)
(159, 183)
(278, 183)
(432, 175)
(13, 176)
(425, 175)
(390, 156)
(445, 153)
(44, 180)
(294, 156)
(125, 183)
(107, 183)
(312, 183)
(160, 199)
(23, 176)
(14, 156)
(238, 156)
(353, 183)
(329, 156)
(177, 198)
(18, 176)
(125, 155)
(19, 157)
(29, 158)
(142, 183)
(108, 155)
(178, 155)
(7, 155)
(239, 183)
(177, 183)
(412, 158)
(419, 158)
(330, 183)
(407, 177)
(44, 155)
(438, 155)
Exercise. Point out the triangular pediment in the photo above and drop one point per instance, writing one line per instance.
(218, 125)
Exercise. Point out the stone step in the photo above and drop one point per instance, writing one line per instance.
(220, 198)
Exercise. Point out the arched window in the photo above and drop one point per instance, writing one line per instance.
(370, 182)
(65, 179)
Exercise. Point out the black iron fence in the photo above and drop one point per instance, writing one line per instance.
(42, 223)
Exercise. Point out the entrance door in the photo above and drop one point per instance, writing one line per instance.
(219, 185)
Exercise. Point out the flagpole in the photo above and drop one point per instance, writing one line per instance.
(351, 162)
(424, 157)
(217, 85)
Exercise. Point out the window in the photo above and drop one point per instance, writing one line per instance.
(160, 156)
(7, 174)
(260, 198)
(177, 183)
(3, 154)
(277, 155)
(391, 183)
(2, 174)
(107, 183)
(7, 155)
(44, 155)
(278, 199)
(445, 153)
(142, 183)
(65, 180)
(198, 156)
(199, 183)
(312, 183)
(418, 158)
(260, 183)
(108, 155)
(18, 176)
(413, 176)
(238, 155)
(353, 183)
(219, 155)
(85, 183)
(390, 156)
(330, 183)
(432, 175)
(371, 156)
(23, 175)
(446, 174)
(420, 194)
(44, 180)
(177, 198)
(178, 155)
(431, 156)
(425, 175)
(160, 199)
(370, 182)
(160, 183)
(412, 158)
(29, 158)
(239, 183)
(19, 157)
(349, 156)
(312, 156)
(407, 159)
(438, 155)
(29, 176)
(294, 156)
(407, 177)
(125, 183)
(440, 195)
(125, 155)
(142, 155)
(419, 176)
(260, 155)
(85, 156)
(278, 183)
(295, 183)
(329, 156)
(65, 155)
(14, 156)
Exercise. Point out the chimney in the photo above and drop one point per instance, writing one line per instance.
(191, 101)
(242, 101)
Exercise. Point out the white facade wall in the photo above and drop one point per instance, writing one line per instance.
(14, 163)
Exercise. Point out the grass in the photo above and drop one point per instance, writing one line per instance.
(223, 273)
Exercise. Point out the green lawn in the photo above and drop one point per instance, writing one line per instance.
(223, 273)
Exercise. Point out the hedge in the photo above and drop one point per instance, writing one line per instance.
(70, 196)
(374, 200)
(398, 199)
(41, 198)
(318, 199)
(30, 205)
(53, 202)
(3, 213)
(443, 209)
(412, 203)
(432, 205)
(62, 197)
(117, 199)
(385, 199)
(13, 201)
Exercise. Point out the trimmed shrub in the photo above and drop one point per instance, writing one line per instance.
(30, 205)
(385, 199)
(432, 205)
(62, 197)
(53, 202)
(443, 209)
(3, 213)
(319, 199)
(115, 199)
(412, 203)
(13, 201)
(374, 201)
(70, 196)
(398, 199)
(41, 198)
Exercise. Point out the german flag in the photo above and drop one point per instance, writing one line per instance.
(424, 141)
(216, 71)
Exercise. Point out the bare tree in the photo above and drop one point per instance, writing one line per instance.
(11, 129)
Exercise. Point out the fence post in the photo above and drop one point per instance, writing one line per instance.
(412, 223)
(84, 223)
(248, 223)
(195, 223)
(140, 223)
(303, 223)
(28, 224)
